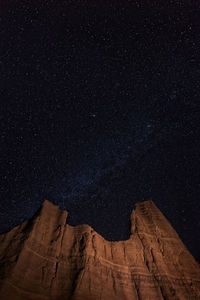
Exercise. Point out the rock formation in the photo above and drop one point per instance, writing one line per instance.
(47, 259)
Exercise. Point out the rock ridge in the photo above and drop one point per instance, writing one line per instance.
(45, 258)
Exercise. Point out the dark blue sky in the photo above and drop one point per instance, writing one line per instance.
(100, 110)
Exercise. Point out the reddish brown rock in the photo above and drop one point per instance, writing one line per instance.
(44, 258)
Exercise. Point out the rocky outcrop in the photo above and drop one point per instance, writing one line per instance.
(45, 258)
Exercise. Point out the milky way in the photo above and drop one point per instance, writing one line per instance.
(96, 160)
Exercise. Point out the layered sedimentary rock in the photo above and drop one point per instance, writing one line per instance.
(45, 258)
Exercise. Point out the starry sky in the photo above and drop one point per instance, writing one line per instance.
(100, 110)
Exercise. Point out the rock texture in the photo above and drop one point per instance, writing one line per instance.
(44, 258)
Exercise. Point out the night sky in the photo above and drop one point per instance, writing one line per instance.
(100, 109)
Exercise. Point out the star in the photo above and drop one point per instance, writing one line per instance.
(92, 115)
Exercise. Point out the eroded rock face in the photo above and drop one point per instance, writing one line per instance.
(45, 258)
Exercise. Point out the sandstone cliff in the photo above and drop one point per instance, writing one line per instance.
(45, 258)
